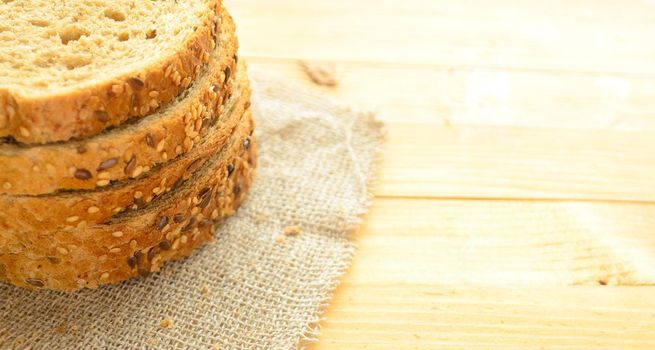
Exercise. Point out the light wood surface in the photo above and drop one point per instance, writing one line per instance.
(515, 205)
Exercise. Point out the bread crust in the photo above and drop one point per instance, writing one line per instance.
(84, 208)
(136, 243)
(90, 109)
(131, 150)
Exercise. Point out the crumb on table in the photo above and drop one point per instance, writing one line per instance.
(166, 323)
(292, 230)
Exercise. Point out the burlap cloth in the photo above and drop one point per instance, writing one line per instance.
(249, 289)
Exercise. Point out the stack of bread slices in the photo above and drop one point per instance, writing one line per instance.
(126, 136)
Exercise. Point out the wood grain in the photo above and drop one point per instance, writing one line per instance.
(502, 162)
(580, 36)
(435, 274)
(416, 316)
(515, 202)
(487, 96)
(506, 243)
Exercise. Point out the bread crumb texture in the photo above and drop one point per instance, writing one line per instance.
(75, 39)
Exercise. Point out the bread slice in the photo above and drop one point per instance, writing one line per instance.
(128, 150)
(137, 242)
(83, 208)
(71, 68)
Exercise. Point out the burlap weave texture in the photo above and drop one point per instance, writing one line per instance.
(253, 288)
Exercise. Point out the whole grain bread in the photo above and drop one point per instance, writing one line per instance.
(138, 242)
(129, 150)
(90, 207)
(72, 68)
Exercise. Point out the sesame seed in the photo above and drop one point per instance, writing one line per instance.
(35, 169)
(214, 214)
(154, 104)
(115, 250)
(102, 183)
(93, 210)
(144, 109)
(118, 210)
(164, 156)
(103, 258)
(156, 190)
(146, 169)
(117, 234)
(72, 218)
(153, 93)
(161, 145)
(187, 143)
(137, 171)
(6, 185)
(52, 170)
(133, 244)
(184, 239)
(138, 194)
(62, 250)
(11, 111)
(24, 132)
(104, 276)
(104, 175)
(81, 281)
(178, 150)
(117, 89)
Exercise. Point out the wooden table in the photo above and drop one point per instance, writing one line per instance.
(515, 205)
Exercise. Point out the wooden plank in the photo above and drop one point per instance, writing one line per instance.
(517, 243)
(417, 316)
(499, 97)
(471, 274)
(424, 160)
(582, 36)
